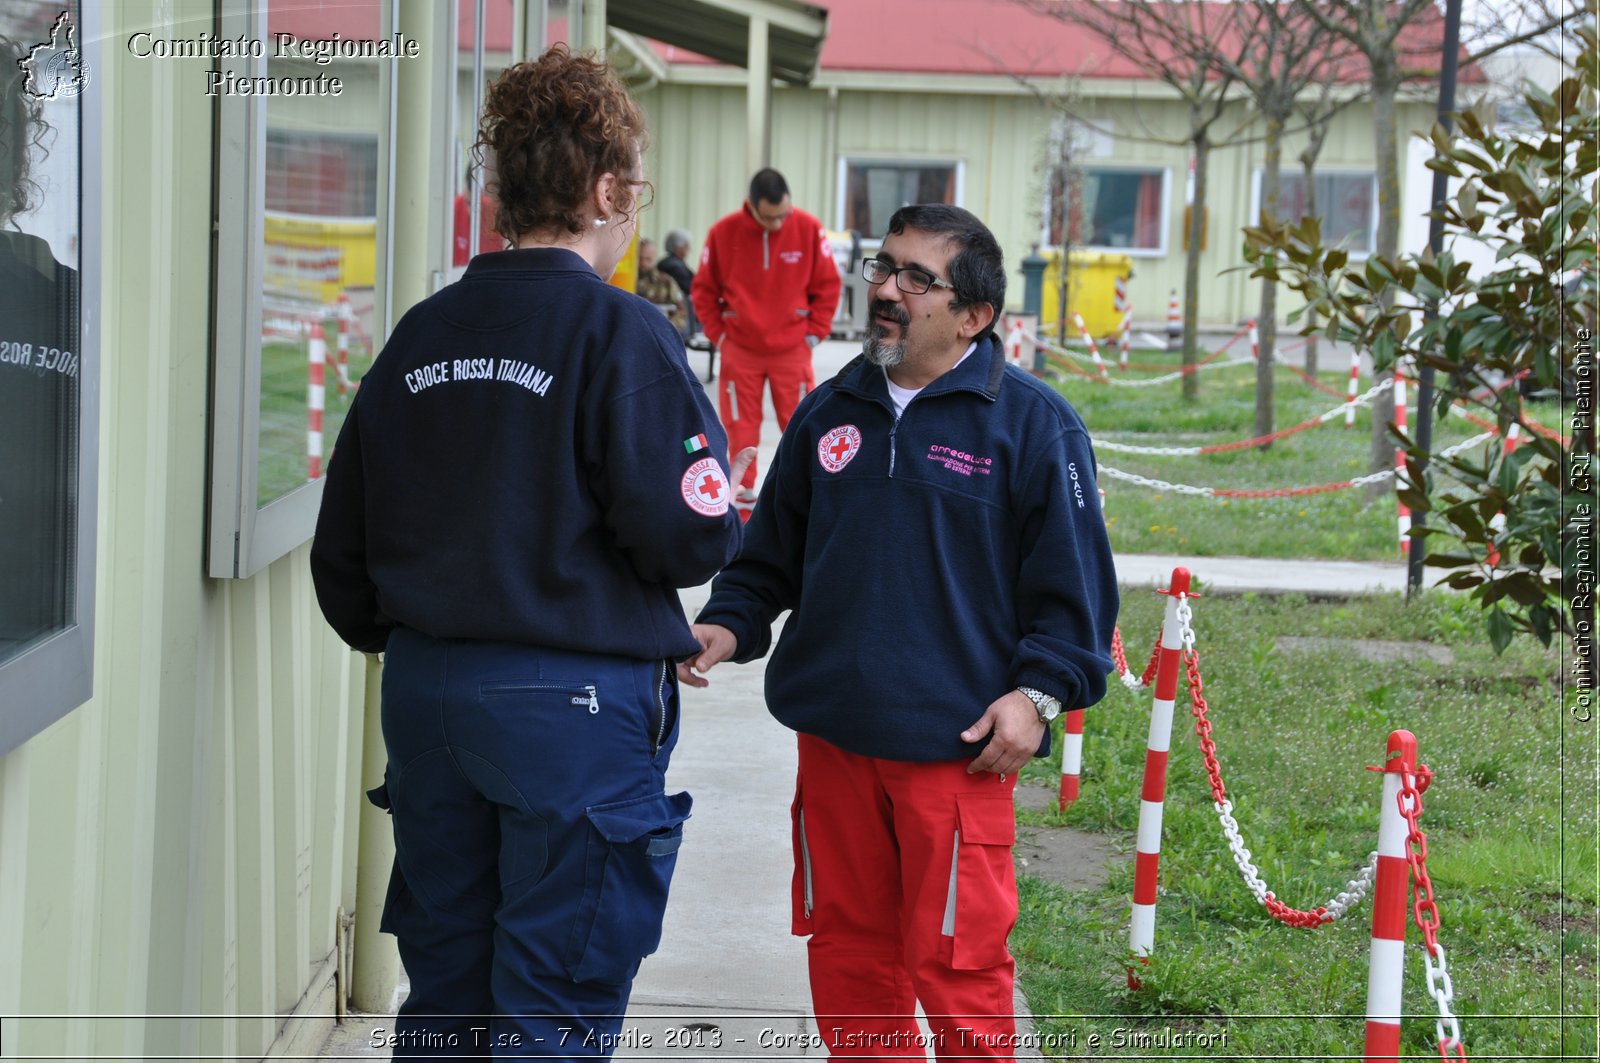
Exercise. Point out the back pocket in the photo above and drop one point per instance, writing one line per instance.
(632, 850)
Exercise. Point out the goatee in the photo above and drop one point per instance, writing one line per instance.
(887, 355)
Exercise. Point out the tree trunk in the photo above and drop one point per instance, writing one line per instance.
(1267, 321)
(1385, 86)
(1191, 267)
(1308, 169)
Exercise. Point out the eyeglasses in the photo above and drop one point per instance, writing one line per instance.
(908, 279)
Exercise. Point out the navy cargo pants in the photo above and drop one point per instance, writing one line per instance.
(534, 841)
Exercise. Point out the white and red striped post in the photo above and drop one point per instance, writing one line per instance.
(1386, 968)
(1094, 349)
(1124, 339)
(1174, 323)
(316, 396)
(1355, 385)
(1400, 459)
(1014, 339)
(1071, 756)
(343, 366)
(1255, 341)
(1147, 857)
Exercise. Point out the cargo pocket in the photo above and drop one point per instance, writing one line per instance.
(981, 908)
(632, 849)
(800, 888)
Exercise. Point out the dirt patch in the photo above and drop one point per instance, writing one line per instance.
(1072, 858)
(1369, 649)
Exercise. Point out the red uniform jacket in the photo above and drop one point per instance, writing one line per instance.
(766, 291)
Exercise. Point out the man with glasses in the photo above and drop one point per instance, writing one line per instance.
(765, 295)
(932, 521)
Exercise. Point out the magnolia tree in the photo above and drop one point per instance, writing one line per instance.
(1512, 344)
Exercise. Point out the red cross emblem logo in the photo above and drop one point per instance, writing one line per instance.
(705, 488)
(838, 446)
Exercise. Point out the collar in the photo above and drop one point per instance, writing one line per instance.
(981, 374)
(528, 260)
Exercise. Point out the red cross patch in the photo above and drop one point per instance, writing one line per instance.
(705, 488)
(838, 446)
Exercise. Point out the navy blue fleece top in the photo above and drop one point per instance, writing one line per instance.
(933, 563)
(530, 460)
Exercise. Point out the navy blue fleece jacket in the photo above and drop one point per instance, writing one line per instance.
(529, 460)
(933, 563)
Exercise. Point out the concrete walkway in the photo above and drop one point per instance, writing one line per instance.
(729, 981)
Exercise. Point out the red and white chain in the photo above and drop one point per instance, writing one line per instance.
(1354, 891)
(1219, 448)
(1275, 492)
(1133, 682)
(1063, 352)
(1426, 913)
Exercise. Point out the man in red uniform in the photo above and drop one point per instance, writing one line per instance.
(765, 295)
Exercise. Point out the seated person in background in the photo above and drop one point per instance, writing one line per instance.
(675, 263)
(658, 287)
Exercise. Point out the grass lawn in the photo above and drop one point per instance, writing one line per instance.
(1510, 820)
(1343, 524)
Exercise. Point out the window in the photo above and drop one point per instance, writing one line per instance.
(1116, 208)
(1346, 203)
(298, 262)
(48, 366)
(872, 191)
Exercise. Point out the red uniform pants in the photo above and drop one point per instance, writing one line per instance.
(903, 878)
(745, 373)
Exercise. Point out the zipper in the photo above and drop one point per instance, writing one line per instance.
(661, 707)
(893, 433)
(589, 698)
(805, 863)
(766, 252)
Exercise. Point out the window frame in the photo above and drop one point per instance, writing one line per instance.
(244, 537)
(53, 677)
(842, 182)
(1361, 254)
(1164, 226)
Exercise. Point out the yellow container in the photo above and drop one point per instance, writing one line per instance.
(1091, 291)
(314, 259)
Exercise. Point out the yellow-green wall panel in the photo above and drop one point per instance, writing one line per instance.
(179, 844)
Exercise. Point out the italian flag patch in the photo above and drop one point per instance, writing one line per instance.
(694, 443)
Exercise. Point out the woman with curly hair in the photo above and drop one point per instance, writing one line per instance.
(527, 475)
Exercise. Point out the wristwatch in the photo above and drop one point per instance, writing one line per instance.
(1049, 707)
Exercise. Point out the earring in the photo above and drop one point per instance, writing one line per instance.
(600, 223)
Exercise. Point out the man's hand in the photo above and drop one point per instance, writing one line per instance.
(1017, 731)
(736, 471)
(717, 643)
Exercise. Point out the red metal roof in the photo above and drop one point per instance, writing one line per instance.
(994, 37)
(1007, 38)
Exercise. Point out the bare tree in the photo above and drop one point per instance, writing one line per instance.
(1316, 116)
(1374, 30)
(1282, 53)
(1178, 42)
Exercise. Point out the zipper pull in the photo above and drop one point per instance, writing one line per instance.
(594, 701)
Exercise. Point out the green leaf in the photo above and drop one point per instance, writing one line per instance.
(1500, 630)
